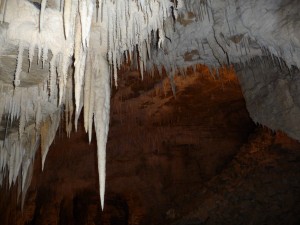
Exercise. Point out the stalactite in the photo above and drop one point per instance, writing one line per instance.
(79, 64)
(39, 53)
(91, 104)
(67, 15)
(22, 117)
(87, 93)
(67, 37)
(101, 121)
(77, 113)
(42, 11)
(48, 131)
(45, 55)
(69, 106)
(83, 8)
(31, 54)
(38, 115)
(19, 64)
(52, 77)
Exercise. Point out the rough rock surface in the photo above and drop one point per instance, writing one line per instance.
(261, 185)
(270, 93)
(193, 167)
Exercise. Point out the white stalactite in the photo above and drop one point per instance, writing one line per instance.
(67, 17)
(123, 26)
(91, 103)
(78, 55)
(19, 64)
(101, 121)
(43, 7)
(31, 54)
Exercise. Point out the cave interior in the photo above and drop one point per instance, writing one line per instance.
(129, 112)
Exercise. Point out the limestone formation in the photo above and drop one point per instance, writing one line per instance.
(60, 56)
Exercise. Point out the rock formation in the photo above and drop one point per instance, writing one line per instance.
(59, 58)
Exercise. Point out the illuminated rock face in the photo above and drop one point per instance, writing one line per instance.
(80, 45)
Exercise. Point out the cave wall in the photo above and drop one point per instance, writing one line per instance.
(270, 91)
